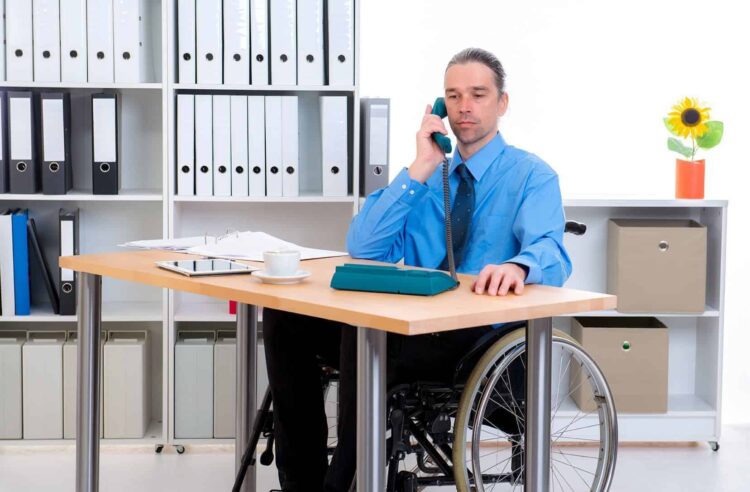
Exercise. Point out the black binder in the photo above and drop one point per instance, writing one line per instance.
(57, 168)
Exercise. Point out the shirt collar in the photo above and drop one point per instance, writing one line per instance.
(481, 161)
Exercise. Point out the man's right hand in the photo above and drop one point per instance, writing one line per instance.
(429, 154)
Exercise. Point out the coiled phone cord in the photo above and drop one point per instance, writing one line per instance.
(448, 228)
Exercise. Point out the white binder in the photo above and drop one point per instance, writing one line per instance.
(204, 168)
(185, 144)
(274, 175)
(208, 41)
(310, 42)
(256, 145)
(19, 57)
(222, 147)
(186, 41)
(43, 385)
(2, 39)
(334, 145)
(100, 30)
(290, 145)
(341, 42)
(46, 20)
(236, 42)
(283, 42)
(259, 42)
(131, 55)
(7, 285)
(238, 128)
(73, 51)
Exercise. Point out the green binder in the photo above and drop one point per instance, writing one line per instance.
(391, 279)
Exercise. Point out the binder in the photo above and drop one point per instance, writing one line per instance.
(105, 129)
(4, 164)
(7, 280)
(374, 144)
(100, 30)
(131, 53)
(283, 42)
(222, 146)
(11, 383)
(41, 261)
(310, 42)
(236, 42)
(341, 42)
(238, 129)
(73, 51)
(43, 385)
(68, 236)
(23, 172)
(259, 42)
(2, 37)
(185, 144)
(208, 41)
(273, 146)
(57, 167)
(21, 263)
(204, 159)
(334, 145)
(46, 24)
(256, 145)
(186, 41)
(290, 145)
(19, 57)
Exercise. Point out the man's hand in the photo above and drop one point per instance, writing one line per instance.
(499, 279)
(429, 155)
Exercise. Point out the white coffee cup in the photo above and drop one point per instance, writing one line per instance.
(281, 263)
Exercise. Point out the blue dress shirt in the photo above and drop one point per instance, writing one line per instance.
(518, 217)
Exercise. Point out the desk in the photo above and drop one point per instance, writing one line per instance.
(373, 315)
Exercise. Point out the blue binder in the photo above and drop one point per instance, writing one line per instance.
(21, 262)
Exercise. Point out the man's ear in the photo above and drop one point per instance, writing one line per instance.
(502, 104)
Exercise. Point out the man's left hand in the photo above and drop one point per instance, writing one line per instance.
(499, 279)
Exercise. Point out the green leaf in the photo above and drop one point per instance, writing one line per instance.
(670, 127)
(679, 147)
(713, 136)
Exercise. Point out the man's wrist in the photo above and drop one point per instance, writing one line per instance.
(523, 267)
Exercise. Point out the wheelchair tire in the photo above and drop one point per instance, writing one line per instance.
(470, 472)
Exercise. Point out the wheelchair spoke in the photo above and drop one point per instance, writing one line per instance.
(578, 417)
(576, 470)
(578, 455)
(560, 400)
(563, 477)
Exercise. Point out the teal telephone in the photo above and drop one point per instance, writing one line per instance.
(392, 279)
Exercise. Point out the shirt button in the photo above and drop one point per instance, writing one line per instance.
(411, 192)
(403, 187)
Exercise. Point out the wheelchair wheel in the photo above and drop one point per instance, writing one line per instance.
(490, 420)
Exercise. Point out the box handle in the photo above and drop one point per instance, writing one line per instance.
(626, 346)
(663, 246)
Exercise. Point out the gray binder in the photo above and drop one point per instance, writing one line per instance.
(374, 130)
(4, 178)
(24, 172)
(57, 168)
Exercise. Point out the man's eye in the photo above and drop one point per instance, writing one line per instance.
(453, 97)
(478, 95)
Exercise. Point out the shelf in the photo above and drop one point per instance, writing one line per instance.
(111, 311)
(82, 85)
(637, 201)
(262, 88)
(265, 199)
(709, 312)
(154, 435)
(679, 405)
(204, 312)
(87, 196)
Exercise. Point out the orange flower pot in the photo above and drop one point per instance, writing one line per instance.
(690, 178)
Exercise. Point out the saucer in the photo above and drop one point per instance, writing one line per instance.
(281, 280)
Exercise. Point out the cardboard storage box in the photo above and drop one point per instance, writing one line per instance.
(11, 424)
(657, 266)
(194, 384)
(126, 390)
(43, 385)
(70, 385)
(633, 354)
(225, 384)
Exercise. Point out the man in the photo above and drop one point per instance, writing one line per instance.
(508, 223)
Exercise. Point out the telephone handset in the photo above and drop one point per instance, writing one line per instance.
(444, 143)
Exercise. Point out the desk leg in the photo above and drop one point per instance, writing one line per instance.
(246, 405)
(371, 390)
(538, 404)
(87, 430)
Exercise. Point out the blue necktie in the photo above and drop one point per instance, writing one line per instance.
(463, 207)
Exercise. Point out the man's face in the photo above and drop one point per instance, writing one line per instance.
(473, 102)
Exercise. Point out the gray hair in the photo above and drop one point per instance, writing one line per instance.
(484, 57)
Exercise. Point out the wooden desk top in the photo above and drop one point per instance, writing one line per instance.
(409, 315)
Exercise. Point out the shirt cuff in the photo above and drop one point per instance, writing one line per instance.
(405, 189)
(534, 275)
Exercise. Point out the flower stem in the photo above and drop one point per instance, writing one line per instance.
(692, 156)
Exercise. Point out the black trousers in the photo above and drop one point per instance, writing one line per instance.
(295, 346)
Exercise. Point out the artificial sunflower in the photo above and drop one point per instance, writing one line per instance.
(688, 120)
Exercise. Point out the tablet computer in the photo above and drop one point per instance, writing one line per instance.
(195, 268)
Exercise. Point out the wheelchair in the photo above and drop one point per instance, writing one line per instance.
(469, 433)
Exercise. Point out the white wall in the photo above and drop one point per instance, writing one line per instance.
(589, 82)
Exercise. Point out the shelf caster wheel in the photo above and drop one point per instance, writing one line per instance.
(714, 445)
(158, 448)
(180, 449)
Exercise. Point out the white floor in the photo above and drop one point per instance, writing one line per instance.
(209, 468)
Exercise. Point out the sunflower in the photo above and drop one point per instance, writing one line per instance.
(688, 119)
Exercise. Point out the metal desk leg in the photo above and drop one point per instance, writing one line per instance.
(246, 405)
(87, 431)
(538, 404)
(371, 390)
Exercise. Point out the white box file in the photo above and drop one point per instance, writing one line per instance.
(225, 379)
(43, 385)
(125, 376)
(11, 423)
(194, 384)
